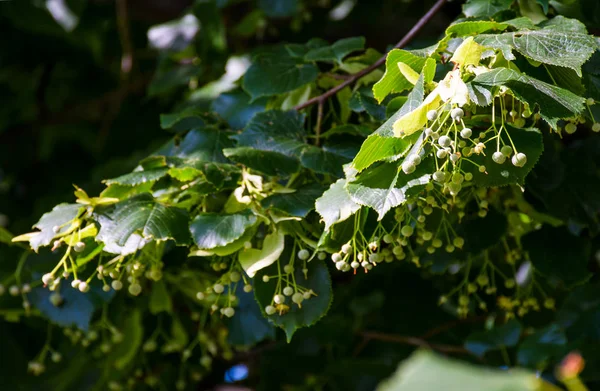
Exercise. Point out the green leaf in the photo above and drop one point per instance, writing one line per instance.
(124, 225)
(312, 309)
(202, 144)
(362, 101)
(554, 102)
(248, 327)
(485, 8)
(335, 204)
(527, 141)
(562, 44)
(383, 145)
(253, 260)
(267, 162)
(228, 249)
(274, 130)
(291, 74)
(580, 311)
(160, 300)
(330, 158)
(298, 203)
(500, 337)
(76, 309)
(138, 177)
(133, 334)
(337, 51)
(386, 186)
(426, 371)
(462, 29)
(279, 8)
(561, 257)
(61, 216)
(236, 108)
(210, 230)
(393, 81)
(184, 120)
(543, 345)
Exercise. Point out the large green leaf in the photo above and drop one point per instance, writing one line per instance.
(297, 203)
(561, 257)
(485, 8)
(527, 141)
(386, 186)
(267, 162)
(60, 217)
(335, 204)
(426, 371)
(252, 260)
(561, 43)
(383, 145)
(141, 217)
(312, 309)
(462, 29)
(248, 327)
(274, 130)
(393, 81)
(330, 158)
(290, 74)
(554, 102)
(76, 309)
(138, 177)
(201, 144)
(210, 230)
(503, 336)
(337, 51)
(236, 108)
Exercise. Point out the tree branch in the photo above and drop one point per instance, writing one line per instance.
(403, 42)
(414, 341)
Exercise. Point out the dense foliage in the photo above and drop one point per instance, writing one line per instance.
(319, 209)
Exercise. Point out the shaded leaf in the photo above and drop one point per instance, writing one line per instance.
(337, 51)
(248, 326)
(210, 230)
(236, 108)
(485, 8)
(506, 335)
(312, 309)
(538, 348)
(160, 300)
(299, 203)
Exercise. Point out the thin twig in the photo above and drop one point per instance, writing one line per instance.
(450, 325)
(414, 341)
(318, 125)
(403, 42)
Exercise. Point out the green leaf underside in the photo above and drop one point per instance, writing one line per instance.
(312, 309)
(141, 217)
(299, 203)
(386, 186)
(60, 216)
(210, 230)
(527, 141)
(335, 204)
(502, 336)
(426, 371)
(393, 81)
(554, 102)
(290, 74)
